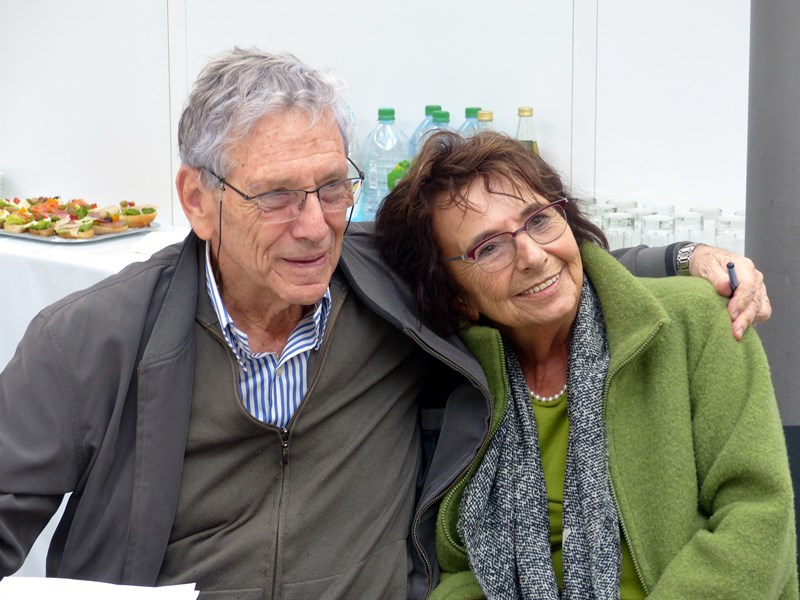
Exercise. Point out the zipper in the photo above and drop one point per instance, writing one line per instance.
(284, 433)
(613, 491)
(284, 446)
(460, 477)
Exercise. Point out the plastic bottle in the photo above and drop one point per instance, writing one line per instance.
(470, 125)
(441, 121)
(485, 120)
(413, 143)
(385, 147)
(526, 133)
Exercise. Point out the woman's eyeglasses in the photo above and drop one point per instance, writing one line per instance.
(499, 250)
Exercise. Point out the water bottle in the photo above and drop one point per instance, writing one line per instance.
(413, 144)
(470, 125)
(525, 130)
(485, 120)
(386, 146)
(441, 121)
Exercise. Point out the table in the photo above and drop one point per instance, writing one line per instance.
(36, 274)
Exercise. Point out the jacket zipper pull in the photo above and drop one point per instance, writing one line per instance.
(285, 445)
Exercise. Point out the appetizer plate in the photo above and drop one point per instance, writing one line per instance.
(54, 239)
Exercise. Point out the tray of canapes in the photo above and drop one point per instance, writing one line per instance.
(51, 220)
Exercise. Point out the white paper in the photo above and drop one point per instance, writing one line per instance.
(35, 588)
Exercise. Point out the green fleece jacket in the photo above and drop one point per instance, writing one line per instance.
(696, 451)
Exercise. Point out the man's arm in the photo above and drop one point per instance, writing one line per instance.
(750, 303)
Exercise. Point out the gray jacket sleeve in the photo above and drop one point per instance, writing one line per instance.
(37, 444)
(649, 262)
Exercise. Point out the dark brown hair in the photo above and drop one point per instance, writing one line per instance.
(441, 175)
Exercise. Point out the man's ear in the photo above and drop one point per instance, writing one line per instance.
(197, 201)
(465, 309)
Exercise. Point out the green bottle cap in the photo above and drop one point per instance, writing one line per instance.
(429, 108)
(441, 116)
(471, 112)
(386, 114)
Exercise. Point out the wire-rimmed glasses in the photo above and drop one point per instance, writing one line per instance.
(281, 206)
(499, 250)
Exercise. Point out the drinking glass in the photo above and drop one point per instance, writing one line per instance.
(657, 229)
(618, 227)
(730, 233)
(710, 216)
(688, 227)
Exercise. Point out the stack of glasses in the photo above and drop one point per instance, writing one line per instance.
(628, 223)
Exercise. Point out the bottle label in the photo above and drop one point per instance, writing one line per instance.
(372, 175)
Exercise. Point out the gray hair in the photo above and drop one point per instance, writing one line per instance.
(237, 88)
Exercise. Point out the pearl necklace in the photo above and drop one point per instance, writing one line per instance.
(556, 396)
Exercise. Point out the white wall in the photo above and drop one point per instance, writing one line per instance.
(672, 89)
(84, 100)
(632, 100)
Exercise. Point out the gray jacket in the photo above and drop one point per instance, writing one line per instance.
(106, 374)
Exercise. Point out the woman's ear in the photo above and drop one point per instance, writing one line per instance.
(196, 201)
(465, 309)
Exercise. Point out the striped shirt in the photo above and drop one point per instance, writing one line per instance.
(271, 385)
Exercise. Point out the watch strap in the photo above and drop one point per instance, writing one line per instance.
(683, 258)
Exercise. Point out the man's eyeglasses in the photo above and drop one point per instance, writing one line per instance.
(499, 250)
(286, 205)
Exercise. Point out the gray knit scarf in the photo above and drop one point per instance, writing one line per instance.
(503, 517)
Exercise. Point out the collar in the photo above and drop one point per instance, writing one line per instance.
(632, 313)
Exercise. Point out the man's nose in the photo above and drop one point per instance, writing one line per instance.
(311, 221)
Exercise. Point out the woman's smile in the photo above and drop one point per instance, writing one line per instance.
(540, 287)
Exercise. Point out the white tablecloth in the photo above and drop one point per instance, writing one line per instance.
(35, 274)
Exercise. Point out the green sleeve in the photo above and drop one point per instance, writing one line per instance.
(748, 549)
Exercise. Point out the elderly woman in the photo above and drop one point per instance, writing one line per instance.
(634, 448)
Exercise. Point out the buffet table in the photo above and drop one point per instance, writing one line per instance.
(38, 273)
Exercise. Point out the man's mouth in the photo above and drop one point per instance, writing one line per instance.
(307, 261)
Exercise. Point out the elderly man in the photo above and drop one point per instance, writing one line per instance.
(258, 408)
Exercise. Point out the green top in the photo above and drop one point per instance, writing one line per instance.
(471, 112)
(552, 428)
(386, 114)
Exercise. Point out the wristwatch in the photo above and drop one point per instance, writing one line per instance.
(684, 257)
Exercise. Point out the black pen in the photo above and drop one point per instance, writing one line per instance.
(732, 278)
